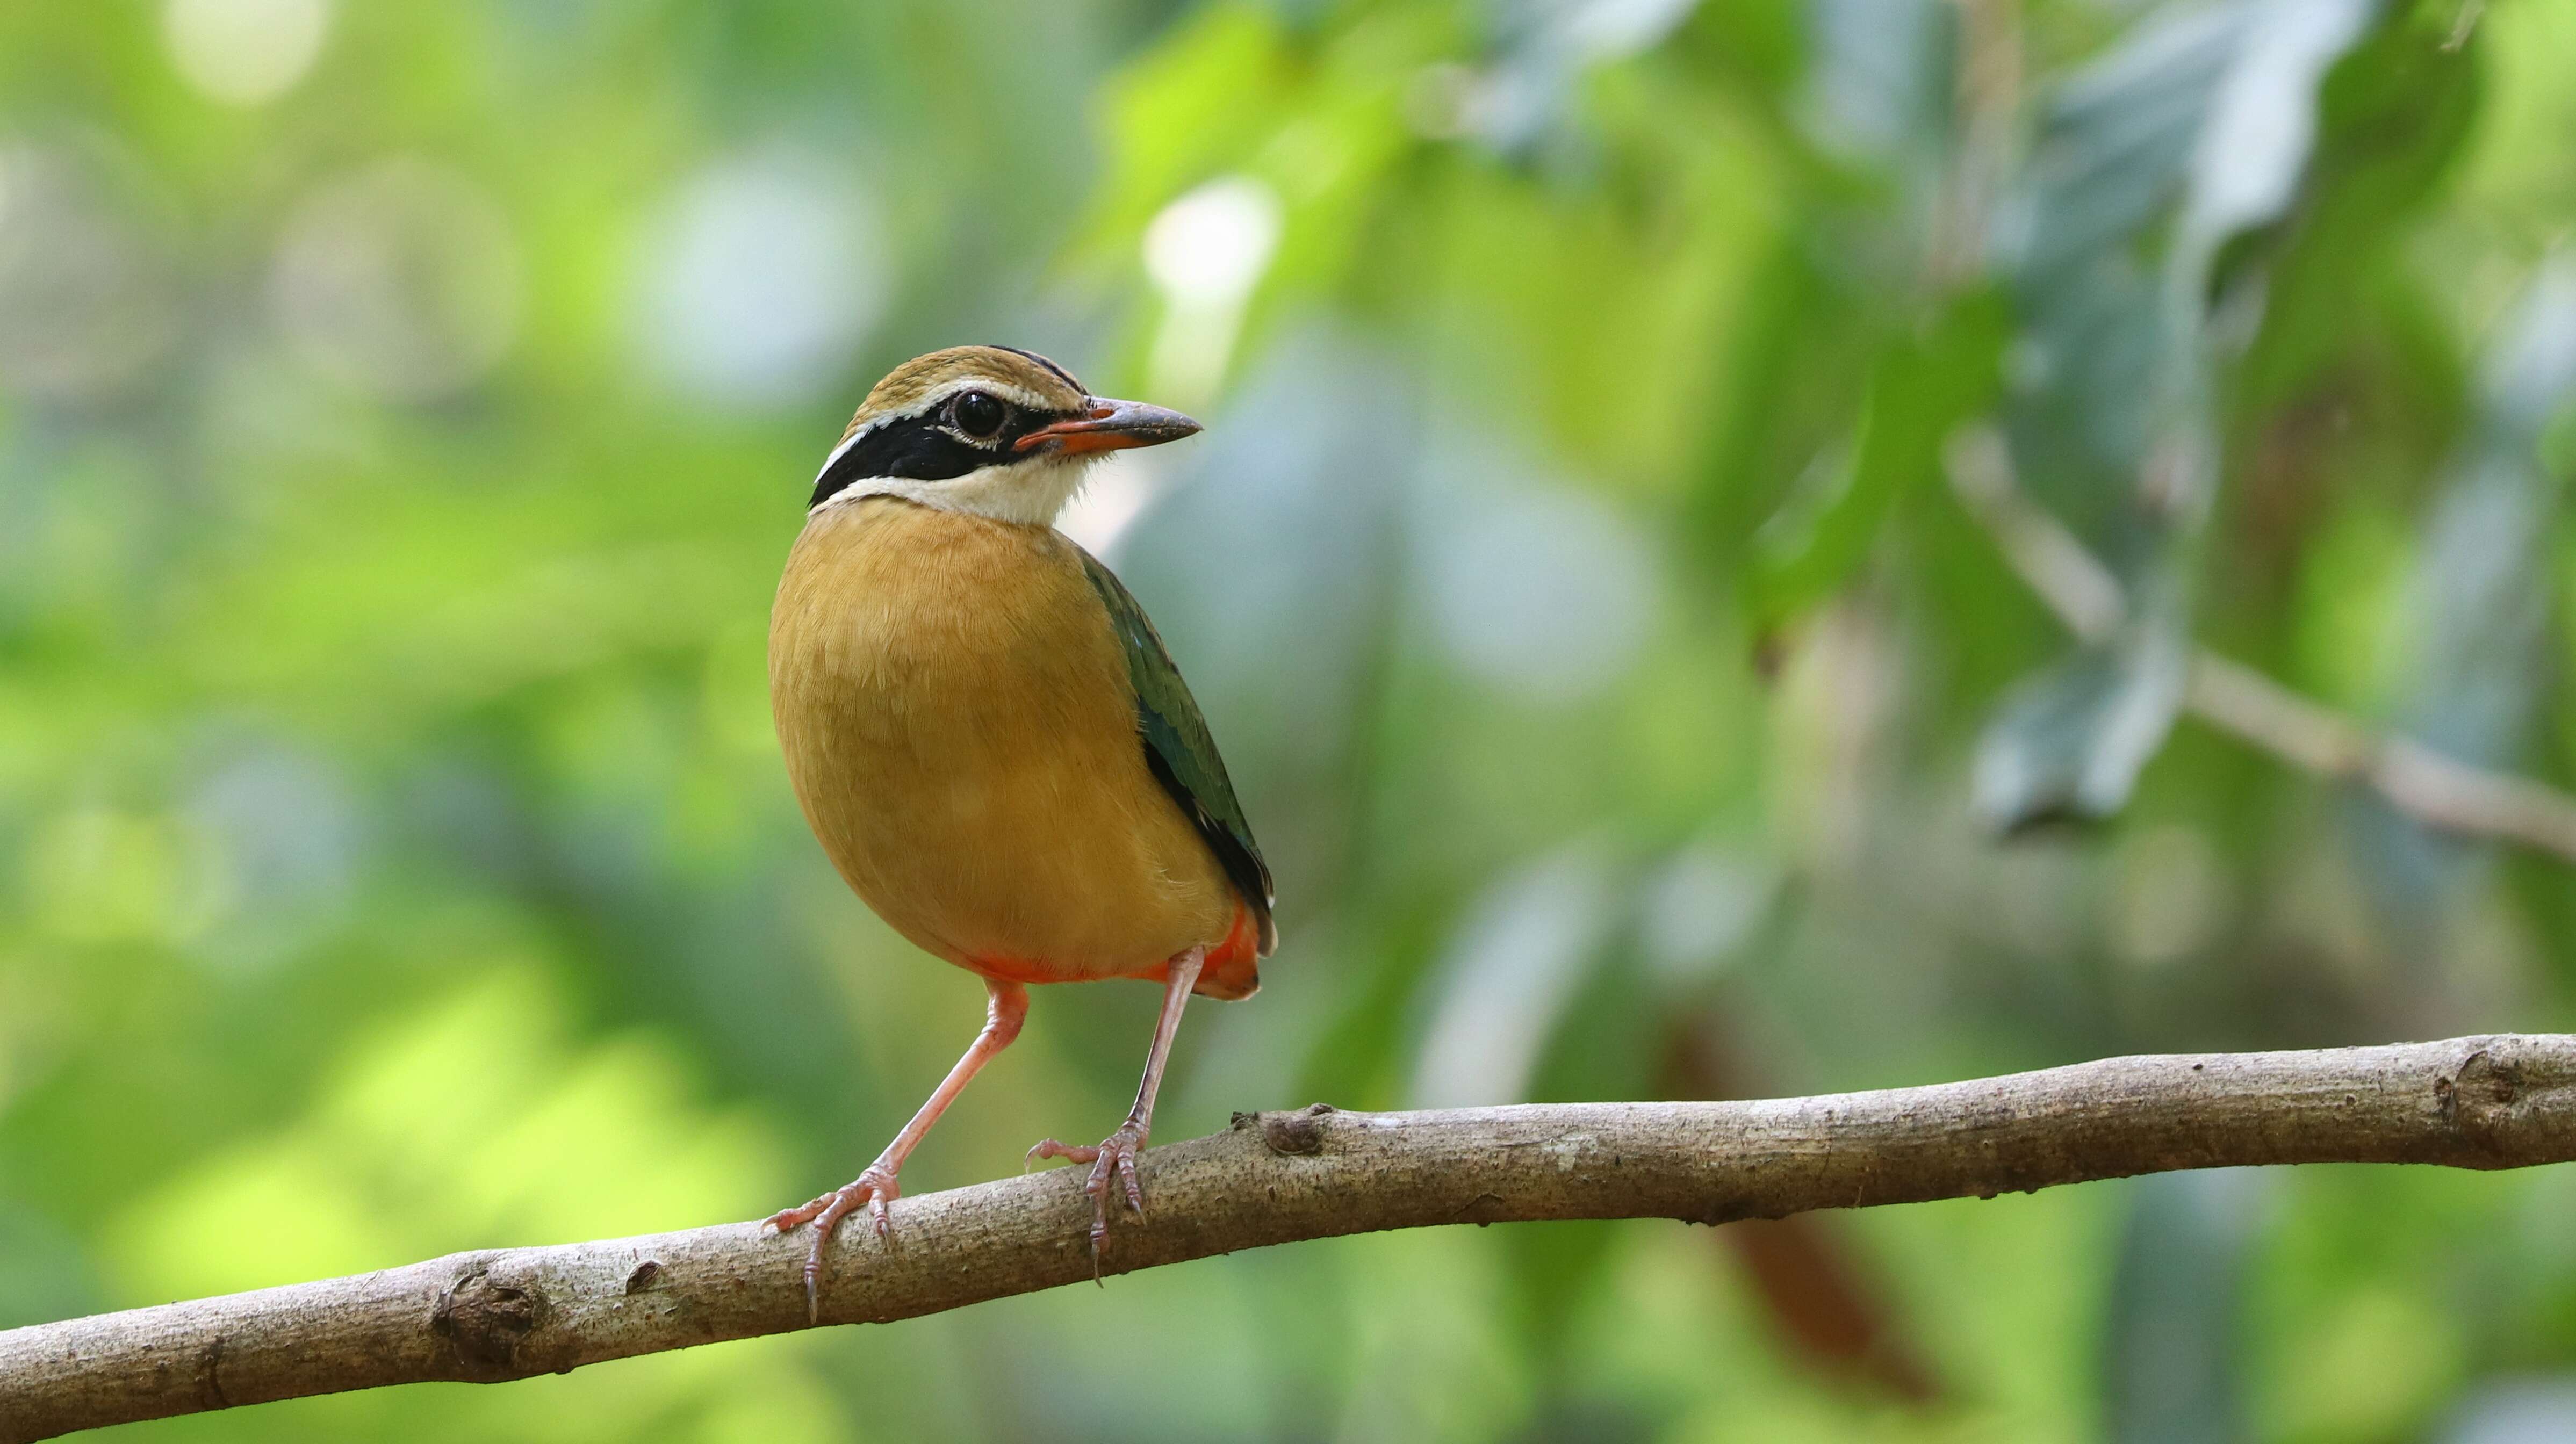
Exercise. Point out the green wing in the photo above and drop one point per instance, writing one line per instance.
(1180, 750)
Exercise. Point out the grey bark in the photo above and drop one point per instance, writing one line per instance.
(2505, 1101)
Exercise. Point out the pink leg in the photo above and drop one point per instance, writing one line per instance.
(875, 1186)
(1115, 1157)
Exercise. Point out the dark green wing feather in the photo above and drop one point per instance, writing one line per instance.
(1179, 748)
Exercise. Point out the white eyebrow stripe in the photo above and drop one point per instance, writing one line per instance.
(855, 438)
(929, 402)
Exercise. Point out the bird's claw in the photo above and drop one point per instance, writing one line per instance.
(1112, 1159)
(875, 1188)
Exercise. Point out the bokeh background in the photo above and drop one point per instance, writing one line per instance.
(405, 409)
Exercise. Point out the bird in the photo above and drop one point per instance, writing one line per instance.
(992, 743)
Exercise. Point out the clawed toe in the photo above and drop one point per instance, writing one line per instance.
(874, 1189)
(1127, 1176)
(1113, 1171)
(1071, 1152)
(787, 1218)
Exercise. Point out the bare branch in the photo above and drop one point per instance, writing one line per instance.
(2437, 791)
(2075, 585)
(2506, 1101)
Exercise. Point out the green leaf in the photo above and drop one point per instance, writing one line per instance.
(1921, 387)
(2392, 115)
(1208, 94)
(2480, 607)
(2068, 743)
(2171, 175)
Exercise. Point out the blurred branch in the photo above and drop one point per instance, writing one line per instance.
(1985, 107)
(2465, 24)
(2506, 1101)
(2437, 791)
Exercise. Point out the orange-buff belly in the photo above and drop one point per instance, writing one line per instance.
(958, 724)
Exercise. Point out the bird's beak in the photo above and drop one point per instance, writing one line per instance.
(1111, 425)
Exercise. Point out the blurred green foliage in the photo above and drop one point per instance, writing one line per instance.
(404, 411)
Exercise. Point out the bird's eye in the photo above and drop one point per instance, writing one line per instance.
(979, 415)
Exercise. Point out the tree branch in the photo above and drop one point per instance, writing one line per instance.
(2438, 791)
(2506, 1101)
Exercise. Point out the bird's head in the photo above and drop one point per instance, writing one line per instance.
(985, 429)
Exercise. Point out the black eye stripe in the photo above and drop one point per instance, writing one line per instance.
(923, 448)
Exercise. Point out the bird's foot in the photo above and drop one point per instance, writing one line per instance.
(874, 1188)
(1113, 1165)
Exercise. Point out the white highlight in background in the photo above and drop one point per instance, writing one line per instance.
(244, 52)
(760, 276)
(1206, 252)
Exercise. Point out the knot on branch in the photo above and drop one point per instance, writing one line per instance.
(1298, 1134)
(2502, 1093)
(483, 1319)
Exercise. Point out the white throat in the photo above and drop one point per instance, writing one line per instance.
(1031, 492)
